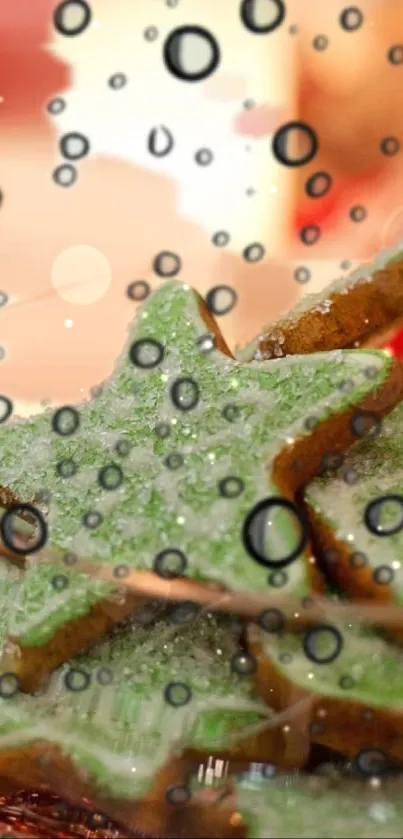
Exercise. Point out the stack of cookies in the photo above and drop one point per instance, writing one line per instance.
(201, 583)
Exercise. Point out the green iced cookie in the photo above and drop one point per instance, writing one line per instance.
(137, 699)
(312, 807)
(163, 468)
(362, 504)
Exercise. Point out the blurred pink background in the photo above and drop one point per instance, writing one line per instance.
(67, 255)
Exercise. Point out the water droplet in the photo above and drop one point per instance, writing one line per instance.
(221, 299)
(56, 106)
(262, 16)
(390, 146)
(243, 663)
(302, 274)
(65, 421)
(323, 644)
(351, 18)
(318, 184)
(310, 234)
(160, 141)
(185, 394)
(295, 144)
(384, 515)
(254, 252)
(395, 54)
(72, 17)
(204, 157)
(146, 353)
(65, 175)
(320, 42)
(117, 81)
(263, 526)
(6, 408)
(170, 564)
(110, 477)
(191, 53)
(167, 264)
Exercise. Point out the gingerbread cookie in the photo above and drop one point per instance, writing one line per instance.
(350, 312)
(357, 512)
(182, 469)
(342, 682)
(112, 723)
(314, 807)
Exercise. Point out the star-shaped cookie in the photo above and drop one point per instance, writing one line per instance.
(357, 512)
(114, 721)
(352, 311)
(183, 467)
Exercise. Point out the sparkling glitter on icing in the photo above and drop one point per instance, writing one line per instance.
(378, 465)
(318, 807)
(156, 508)
(107, 710)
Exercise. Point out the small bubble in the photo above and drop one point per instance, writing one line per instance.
(259, 19)
(167, 264)
(173, 461)
(170, 564)
(272, 620)
(395, 54)
(65, 175)
(384, 515)
(138, 291)
(310, 234)
(320, 42)
(60, 582)
(323, 644)
(162, 430)
(121, 571)
(151, 33)
(177, 694)
(117, 81)
(160, 141)
(277, 579)
(185, 394)
(74, 145)
(220, 239)
(390, 146)
(122, 448)
(77, 680)
(221, 299)
(6, 408)
(383, 575)
(351, 18)
(110, 477)
(243, 663)
(191, 53)
(231, 413)
(65, 421)
(9, 685)
(231, 487)
(254, 252)
(146, 353)
(66, 468)
(56, 106)
(318, 185)
(358, 213)
(204, 157)
(206, 343)
(302, 274)
(92, 519)
(358, 560)
(72, 17)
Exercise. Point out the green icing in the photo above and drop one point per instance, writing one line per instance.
(373, 668)
(156, 508)
(120, 733)
(317, 808)
(378, 468)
